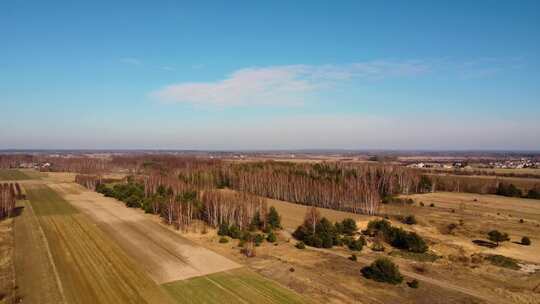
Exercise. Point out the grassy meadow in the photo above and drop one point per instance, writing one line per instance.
(235, 286)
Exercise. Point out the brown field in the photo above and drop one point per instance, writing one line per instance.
(80, 264)
(165, 255)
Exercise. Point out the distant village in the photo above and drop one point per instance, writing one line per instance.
(500, 164)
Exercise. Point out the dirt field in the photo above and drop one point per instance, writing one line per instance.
(165, 255)
(86, 265)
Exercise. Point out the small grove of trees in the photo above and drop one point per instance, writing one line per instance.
(397, 237)
(271, 223)
(180, 206)
(354, 188)
(383, 270)
(9, 193)
(497, 236)
(88, 181)
(508, 190)
(321, 233)
(534, 193)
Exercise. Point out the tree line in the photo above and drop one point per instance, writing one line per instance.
(9, 194)
(348, 187)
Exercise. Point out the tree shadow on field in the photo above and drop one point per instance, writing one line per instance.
(17, 211)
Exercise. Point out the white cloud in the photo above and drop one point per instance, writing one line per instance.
(290, 84)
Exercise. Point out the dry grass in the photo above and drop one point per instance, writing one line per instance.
(455, 268)
(235, 286)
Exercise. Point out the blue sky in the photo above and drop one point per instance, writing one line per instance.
(270, 75)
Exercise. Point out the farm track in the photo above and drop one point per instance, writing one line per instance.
(36, 276)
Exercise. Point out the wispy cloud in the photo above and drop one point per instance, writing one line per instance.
(131, 60)
(289, 84)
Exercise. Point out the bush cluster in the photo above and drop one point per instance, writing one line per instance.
(413, 284)
(502, 261)
(397, 237)
(409, 220)
(534, 194)
(396, 200)
(327, 235)
(273, 221)
(132, 194)
(300, 245)
(508, 190)
(383, 270)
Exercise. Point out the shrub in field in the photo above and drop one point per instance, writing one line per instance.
(497, 236)
(451, 227)
(353, 257)
(273, 219)
(223, 240)
(410, 241)
(348, 226)
(525, 241)
(383, 270)
(413, 284)
(357, 245)
(508, 190)
(398, 237)
(382, 226)
(271, 237)
(300, 245)
(323, 236)
(256, 222)
(235, 232)
(338, 241)
(502, 261)
(534, 194)
(223, 229)
(258, 239)
(409, 220)
(432, 205)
